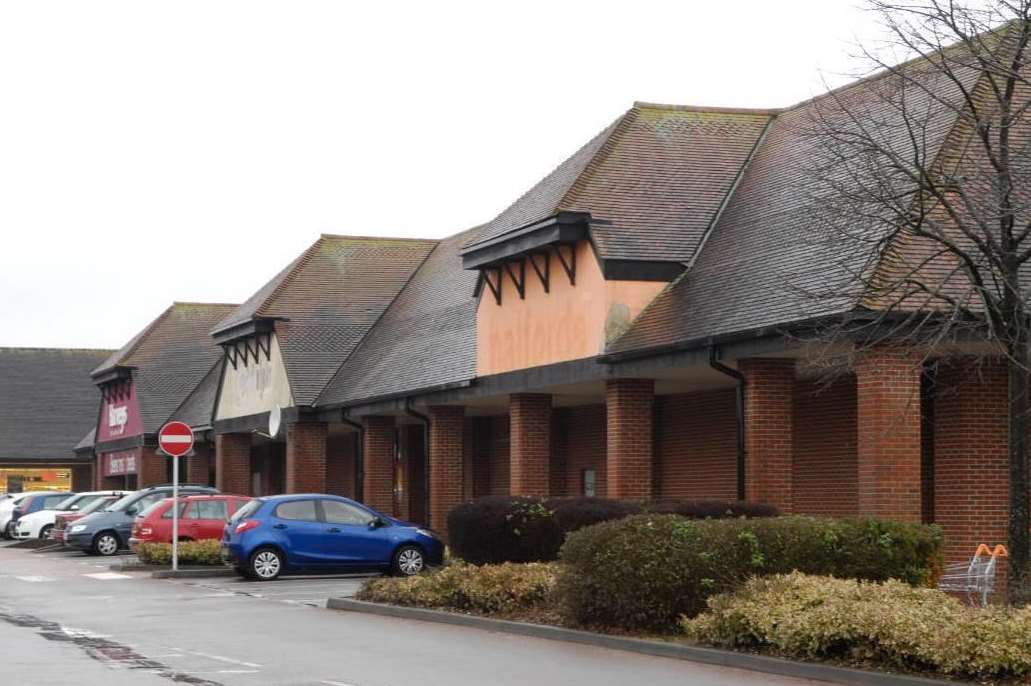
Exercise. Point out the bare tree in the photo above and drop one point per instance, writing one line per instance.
(923, 183)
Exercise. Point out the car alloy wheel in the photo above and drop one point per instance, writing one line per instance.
(410, 561)
(266, 565)
(47, 532)
(107, 544)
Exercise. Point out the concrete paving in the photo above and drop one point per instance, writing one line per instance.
(67, 618)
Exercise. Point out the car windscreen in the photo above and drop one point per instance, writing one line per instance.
(98, 504)
(246, 511)
(122, 503)
(68, 502)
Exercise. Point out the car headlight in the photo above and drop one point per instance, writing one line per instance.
(426, 532)
(77, 528)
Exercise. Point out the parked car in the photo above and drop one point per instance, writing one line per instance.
(7, 506)
(40, 524)
(200, 517)
(323, 533)
(107, 531)
(63, 519)
(34, 503)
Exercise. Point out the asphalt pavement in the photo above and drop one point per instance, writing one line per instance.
(69, 619)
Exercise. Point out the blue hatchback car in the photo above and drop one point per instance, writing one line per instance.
(323, 533)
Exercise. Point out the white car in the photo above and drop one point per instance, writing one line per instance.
(40, 524)
(7, 506)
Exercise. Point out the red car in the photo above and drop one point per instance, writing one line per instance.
(200, 516)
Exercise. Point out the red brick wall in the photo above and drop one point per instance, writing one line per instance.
(306, 457)
(233, 463)
(971, 461)
(825, 478)
(198, 465)
(341, 453)
(629, 450)
(447, 469)
(769, 396)
(583, 447)
(888, 434)
(378, 487)
(530, 425)
(696, 445)
(153, 469)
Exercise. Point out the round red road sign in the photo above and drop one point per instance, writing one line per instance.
(176, 438)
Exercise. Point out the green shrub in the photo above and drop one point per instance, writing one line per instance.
(645, 571)
(203, 552)
(489, 589)
(887, 623)
(524, 529)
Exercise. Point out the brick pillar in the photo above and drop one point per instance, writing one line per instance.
(628, 426)
(378, 484)
(888, 434)
(198, 466)
(769, 415)
(341, 450)
(153, 468)
(447, 465)
(82, 477)
(530, 457)
(306, 457)
(233, 463)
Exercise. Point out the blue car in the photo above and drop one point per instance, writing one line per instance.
(323, 533)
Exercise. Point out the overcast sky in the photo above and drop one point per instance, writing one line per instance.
(153, 152)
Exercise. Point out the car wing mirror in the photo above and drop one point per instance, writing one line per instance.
(376, 523)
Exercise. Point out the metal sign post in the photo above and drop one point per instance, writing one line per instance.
(176, 440)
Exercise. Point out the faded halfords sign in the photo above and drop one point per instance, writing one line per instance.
(117, 418)
(119, 463)
(254, 387)
(119, 414)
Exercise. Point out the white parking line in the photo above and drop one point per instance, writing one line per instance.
(35, 579)
(335, 683)
(107, 576)
(222, 658)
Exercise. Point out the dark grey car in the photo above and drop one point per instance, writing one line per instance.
(107, 531)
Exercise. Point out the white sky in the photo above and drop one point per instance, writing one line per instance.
(152, 152)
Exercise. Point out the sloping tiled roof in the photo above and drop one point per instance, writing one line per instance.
(768, 261)
(171, 356)
(198, 408)
(653, 181)
(426, 338)
(87, 441)
(328, 300)
(48, 401)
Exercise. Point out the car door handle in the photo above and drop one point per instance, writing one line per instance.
(279, 526)
(333, 530)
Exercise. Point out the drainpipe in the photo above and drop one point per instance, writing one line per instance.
(739, 381)
(426, 456)
(359, 455)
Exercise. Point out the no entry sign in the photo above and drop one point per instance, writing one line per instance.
(176, 439)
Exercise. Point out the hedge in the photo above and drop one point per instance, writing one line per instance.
(499, 529)
(889, 624)
(645, 571)
(489, 589)
(203, 552)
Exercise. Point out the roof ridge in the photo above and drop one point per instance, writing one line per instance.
(377, 238)
(715, 109)
(191, 302)
(614, 133)
(133, 345)
(304, 259)
(37, 348)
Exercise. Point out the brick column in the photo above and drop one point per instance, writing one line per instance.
(888, 434)
(378, 451)
(769, 420)
(198, 466)
(233, 463)
(153, 468)
(306, 457)
(628, 426)
(530, 456)
(447, 466)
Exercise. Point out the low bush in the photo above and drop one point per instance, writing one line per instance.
(645, 571)
(488, 589)
(204, 552)
(888, 623)
(522, 529)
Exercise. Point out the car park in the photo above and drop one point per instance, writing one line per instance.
(63, 519)
(200, 517)
(40, 524)
(107, 531)
(7, 505)
(33, 503)
(324, 533)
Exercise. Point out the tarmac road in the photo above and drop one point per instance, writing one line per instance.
(68, 619)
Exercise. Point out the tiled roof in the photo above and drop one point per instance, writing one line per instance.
(48, 401)
(426, 338)
(328, 299)
(87, 441)
(171, 356)
(653, 181)
(198, 408)
(768, 261)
